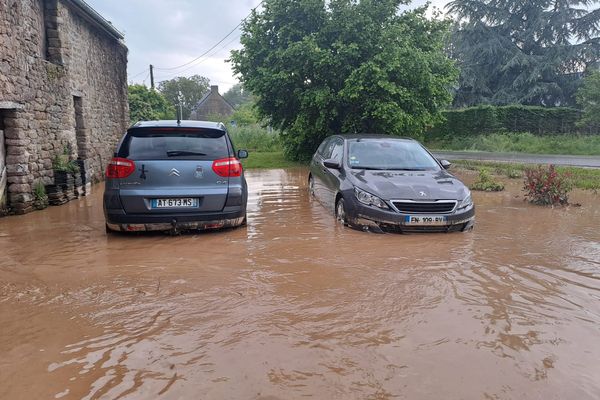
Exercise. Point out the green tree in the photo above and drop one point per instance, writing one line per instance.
(237, 95)
(588, 98)
(529, 52)
(146, 104)
(192, 90)
(323, 67)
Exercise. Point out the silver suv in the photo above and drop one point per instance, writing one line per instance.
(170, 175)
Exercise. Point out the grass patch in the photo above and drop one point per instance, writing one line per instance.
(520, 143)
(582, 178)
(267, 160)
(255, 138)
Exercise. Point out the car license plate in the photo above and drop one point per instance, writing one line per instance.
(425, 220)
(175, 203)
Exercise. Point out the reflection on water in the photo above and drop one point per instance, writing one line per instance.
(294, 306)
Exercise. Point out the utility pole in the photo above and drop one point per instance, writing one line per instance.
(151, 76)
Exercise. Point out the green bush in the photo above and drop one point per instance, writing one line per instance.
(486, 183)
(487, 119)
(62, 163)
(588, 97)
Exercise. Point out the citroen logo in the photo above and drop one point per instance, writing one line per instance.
(174, 172)
(422, 194)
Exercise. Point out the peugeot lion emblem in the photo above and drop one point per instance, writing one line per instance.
(174, 172)
(422, 194)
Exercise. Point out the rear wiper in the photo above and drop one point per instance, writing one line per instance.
(175, 153)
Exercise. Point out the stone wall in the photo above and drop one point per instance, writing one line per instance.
(63, 88)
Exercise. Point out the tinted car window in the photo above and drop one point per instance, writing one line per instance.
(329, 148)
(389, 154)
(323, 147)
(338, 150)
(174, 143)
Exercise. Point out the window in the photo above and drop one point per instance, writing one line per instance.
(323, 147)
(338, 150)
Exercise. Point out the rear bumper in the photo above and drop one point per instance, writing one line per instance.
(117, 220)
(365, 217)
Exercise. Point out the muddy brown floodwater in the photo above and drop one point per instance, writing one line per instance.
(293, 306)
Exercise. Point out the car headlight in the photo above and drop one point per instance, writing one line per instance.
(466, 202)
(369, 199)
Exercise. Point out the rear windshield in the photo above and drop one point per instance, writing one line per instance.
(174, 143)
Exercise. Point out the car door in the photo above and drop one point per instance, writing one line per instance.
(331, 176)
(317, 168)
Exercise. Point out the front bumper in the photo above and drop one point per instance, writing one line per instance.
(117, 220)
(370, 218)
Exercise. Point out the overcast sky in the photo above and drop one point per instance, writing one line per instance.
(169, 33)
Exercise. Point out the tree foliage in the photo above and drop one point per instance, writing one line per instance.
(238, 95)
(341, 66)
(588, 97)
(192, 90)
(529, 52)
(146, 104)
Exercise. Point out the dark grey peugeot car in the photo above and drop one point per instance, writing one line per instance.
(388, 184)
(175, 175)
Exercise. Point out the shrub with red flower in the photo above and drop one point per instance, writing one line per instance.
(544, 185)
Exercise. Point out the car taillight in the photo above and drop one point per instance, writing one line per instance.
(227, 167)
(119, 168)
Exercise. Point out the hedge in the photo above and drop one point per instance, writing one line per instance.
(514, 118)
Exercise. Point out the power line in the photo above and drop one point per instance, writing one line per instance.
(138, 74)
(218, 43)
(171, 74)
(145, 79)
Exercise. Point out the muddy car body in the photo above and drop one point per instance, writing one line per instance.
(389, 184)
(175, 175)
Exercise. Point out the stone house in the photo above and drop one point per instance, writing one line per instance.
(211, 104)
(63, 90)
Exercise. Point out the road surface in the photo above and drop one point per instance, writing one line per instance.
(573, 161)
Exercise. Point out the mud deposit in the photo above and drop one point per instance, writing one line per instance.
(292, 306)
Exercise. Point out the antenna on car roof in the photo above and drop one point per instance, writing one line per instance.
(179, 110)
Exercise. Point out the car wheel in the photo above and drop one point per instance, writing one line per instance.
(340, 212)
(311, 186)
(245, 220)
(108, 230)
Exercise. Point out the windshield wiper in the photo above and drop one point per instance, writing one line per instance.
(176, 153)
(369, 168)
(408, 169)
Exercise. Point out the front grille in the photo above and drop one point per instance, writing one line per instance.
(388, 228)
(424, 207)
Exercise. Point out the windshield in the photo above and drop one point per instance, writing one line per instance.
(175, 143)
(389, 154)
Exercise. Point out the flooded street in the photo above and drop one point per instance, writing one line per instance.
(292, 306)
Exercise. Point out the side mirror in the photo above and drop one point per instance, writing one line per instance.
(331, 163)
(445, 164)
(242, 154)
